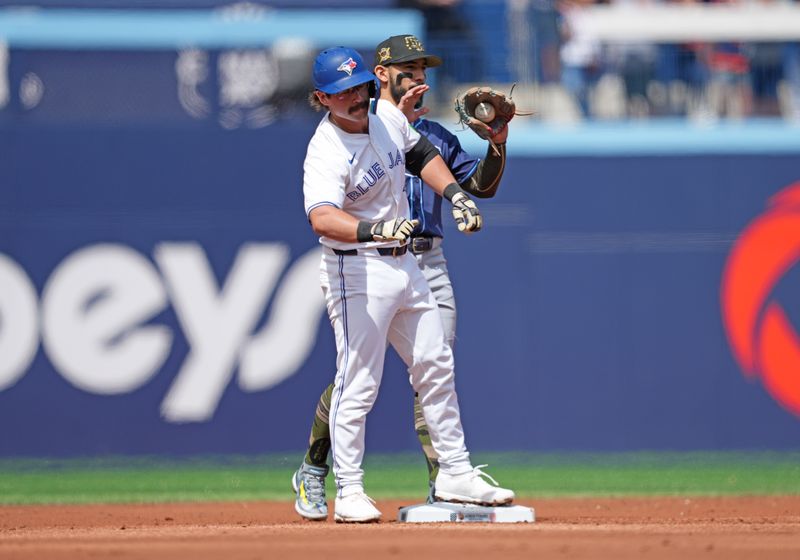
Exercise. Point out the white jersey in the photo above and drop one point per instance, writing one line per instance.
(377, 298)
(362, 174)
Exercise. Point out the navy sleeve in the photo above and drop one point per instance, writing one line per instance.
(460, 162)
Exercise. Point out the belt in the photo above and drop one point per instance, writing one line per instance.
(382, 251)
(421, 244)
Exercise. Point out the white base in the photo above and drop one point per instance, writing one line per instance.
(446, 512)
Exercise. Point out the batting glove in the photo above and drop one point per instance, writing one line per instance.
(466, 214)
(398, 229)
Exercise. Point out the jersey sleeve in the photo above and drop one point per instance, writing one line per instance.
(323, 179)
(394, 117)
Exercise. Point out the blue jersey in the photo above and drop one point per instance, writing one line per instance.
(425, 204)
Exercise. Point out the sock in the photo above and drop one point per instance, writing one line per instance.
(319, 442)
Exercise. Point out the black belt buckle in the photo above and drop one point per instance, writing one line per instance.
(421, 244)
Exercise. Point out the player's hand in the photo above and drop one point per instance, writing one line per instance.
(466, 214)
(408, 103)
(398, 229)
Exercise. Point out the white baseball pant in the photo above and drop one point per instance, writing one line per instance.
(372, 299)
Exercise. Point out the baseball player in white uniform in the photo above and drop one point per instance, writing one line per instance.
(354, 176)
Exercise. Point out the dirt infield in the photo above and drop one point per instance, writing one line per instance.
(653, 528)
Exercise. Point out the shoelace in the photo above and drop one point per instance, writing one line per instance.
(477, 470)
(315, 487)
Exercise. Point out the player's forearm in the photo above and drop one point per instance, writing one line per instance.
(486, 179)
(333, 223)
(330, 222)
(437, 175)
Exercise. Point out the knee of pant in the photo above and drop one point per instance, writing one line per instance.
(431, 367)
(432, 374)
(435, 350)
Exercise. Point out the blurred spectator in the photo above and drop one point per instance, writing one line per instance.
(791, 75)
(682, 71)
(790, 70)
(580, 54)
(544, 21)
(729, 88)
(766, 70)
(636, 65)
(682, 75)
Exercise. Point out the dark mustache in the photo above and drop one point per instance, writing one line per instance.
(360, 106)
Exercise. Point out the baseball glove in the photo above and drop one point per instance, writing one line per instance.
(487, 125)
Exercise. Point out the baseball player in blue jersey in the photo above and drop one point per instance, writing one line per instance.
(400, 64)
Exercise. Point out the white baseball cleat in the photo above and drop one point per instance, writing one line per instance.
(356, 508)
(470, 488)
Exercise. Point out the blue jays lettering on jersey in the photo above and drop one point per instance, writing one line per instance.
(425, 204)
(368, 180)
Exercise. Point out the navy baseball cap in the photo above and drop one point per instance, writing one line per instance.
(340, 68)
(403, 48)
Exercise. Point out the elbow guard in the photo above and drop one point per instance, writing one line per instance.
(419, 156)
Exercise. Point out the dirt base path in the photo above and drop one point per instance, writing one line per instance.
(762, 528)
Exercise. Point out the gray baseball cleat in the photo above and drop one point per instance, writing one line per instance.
(308, 483)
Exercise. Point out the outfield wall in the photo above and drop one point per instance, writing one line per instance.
(589, 308)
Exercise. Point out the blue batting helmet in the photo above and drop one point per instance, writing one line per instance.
(340, 68)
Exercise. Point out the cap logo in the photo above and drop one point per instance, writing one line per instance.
(413, 44)
(347, 66)
(384, 54)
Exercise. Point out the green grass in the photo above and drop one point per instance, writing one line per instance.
(233, 478)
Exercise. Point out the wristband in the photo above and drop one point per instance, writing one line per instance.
(451, 190)
(364, 232)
